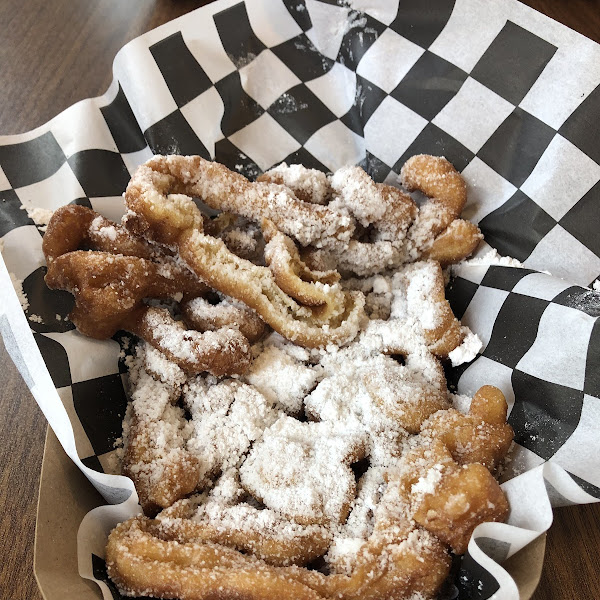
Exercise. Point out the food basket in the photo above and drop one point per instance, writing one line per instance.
(513, 105)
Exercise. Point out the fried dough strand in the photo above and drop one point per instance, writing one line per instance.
(73, 227)
(224, 351)
(256, 287)
(141, 563)
(446, 190)
(420, 313)
(204, 316)
(481, 436)
(264, 533)
(293, 276)
(179, 472)
(162, 470)
(250, 502)
(109, 288)
(174, 219)
(177, 177)
(109, 291)
(308, 185)
(459, 240)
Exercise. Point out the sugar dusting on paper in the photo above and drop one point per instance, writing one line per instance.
(21, 295)
(40, 216)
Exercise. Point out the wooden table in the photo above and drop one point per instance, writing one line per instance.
(56, 53)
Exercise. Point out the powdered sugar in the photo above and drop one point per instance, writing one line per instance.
(379, 397)
(301, 470)
(357, 192)
(98, 228)
(467, 350)
(417, 309)
(226, 418)
(492, 257)
(429, 482)
(281, 377)
(308, 184)
(40, 216)
(21, 295)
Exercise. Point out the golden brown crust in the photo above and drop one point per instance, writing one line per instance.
(308, 185)
(394, 231)
(293, 276)
(171, 218)
(222, 352)
(437, 178)
(139, 562)
(274, 544)
(73, 227)
(109, 288)
(179, 476)
(423, 285)
(111, 282)
(470, 496)
(256, 287)
(204, 316)
(109, 291)
(459, 240)
(482, 436)
(222, 189)
(437, 232)
(277, 497)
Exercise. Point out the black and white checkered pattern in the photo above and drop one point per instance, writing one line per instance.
(510, 97)
(541, 340)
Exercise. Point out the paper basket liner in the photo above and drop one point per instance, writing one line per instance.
(509, 96)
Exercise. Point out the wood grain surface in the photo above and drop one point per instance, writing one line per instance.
(54, 53)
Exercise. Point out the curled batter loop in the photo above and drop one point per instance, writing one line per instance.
(421, 314)
(265, 533)
(172, 218)
(109, 288)
(161, 190)
(443, 333)
(457, 241)
(309, 287)
(220, 352)
(390, 229)
(139, 562)
(255, 286)
(435, 177)
(384, 215)
(308, 185)
(481, 436)
(387, 208)
(143, 558)
(111, 280)
(74, 227)
(204, 316)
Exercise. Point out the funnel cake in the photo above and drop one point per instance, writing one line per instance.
(365, 499)
(290, 432)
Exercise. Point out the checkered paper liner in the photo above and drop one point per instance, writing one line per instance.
(509, 96)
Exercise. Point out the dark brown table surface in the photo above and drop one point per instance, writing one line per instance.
(54, 53)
